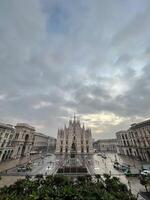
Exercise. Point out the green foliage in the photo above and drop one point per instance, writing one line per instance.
(67, 188)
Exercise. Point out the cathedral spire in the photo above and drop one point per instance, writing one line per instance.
(74, 117)
(83, 126)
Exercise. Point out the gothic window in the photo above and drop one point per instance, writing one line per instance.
(74, 137)
(61, 149)
(81, 141)
(66, 150)
(86, 141)
(87, 149)
(82, 150)
(18, 150)
(73, 147)
(61, 142)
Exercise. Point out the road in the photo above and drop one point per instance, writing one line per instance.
(47, 165)
(43, 166)
(106, 166)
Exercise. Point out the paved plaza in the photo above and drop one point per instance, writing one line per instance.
(106, 166)
(49, 166)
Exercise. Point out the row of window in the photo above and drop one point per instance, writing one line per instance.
(87, 142)
(6, 135)
(82, 150)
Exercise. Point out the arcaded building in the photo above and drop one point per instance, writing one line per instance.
(75, 138)
(23, 141)
(7, 133)
(105, 145)
(135, 142)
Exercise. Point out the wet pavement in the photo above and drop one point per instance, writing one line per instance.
(15, 162)
(43, 166)
(106, 166)
(49, 164)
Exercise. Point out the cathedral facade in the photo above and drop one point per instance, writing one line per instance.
(74, 138)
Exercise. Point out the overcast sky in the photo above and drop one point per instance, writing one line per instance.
(91, 57)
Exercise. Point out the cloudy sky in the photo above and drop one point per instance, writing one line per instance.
(91, 57)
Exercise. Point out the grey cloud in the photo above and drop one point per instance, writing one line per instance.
(74, 62)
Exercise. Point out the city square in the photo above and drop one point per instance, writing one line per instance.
(48, 165)
(74, 154)
(75, 100)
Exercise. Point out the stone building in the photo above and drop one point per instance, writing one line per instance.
(7, 134)
(105, 145)
(51, 144)
(23, 141)
(40, 143)
(135, 141)
(74, 137)
(43, 143)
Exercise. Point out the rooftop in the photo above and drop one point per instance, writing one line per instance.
(25, 125)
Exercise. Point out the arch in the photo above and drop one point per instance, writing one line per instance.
(18, 150)
(11, 153)
(73, 147)
(8, 154)
(73, 150)
(87, 148)
(26, 137)
(4, 155)
(61, 150)
(82, 150)
(25, 144)
(148, 154)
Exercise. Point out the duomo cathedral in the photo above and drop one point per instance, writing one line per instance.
(74, 138)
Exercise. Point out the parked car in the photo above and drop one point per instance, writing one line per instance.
(121, 167)
(104, 156)
(146, 167)
(118, 167)
(131, 172)
(125, 167)
(48, 154)
(99, 154)
(22, 169)
(145, 173)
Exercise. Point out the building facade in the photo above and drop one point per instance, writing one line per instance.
(135, 141)
(105, 145)
(40, 143)
(7, 134)
(23, 141)
(74, 138)
(51, 144)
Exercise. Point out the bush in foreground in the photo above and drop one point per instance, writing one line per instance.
(61, 187)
